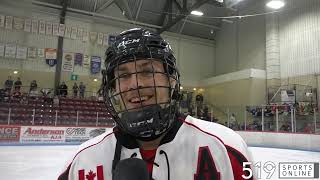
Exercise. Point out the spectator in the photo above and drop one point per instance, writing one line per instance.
(308, 128)
(199, 103)
(100, 93)
(75, 90)
(205, 114)
(189, 102)
(33, 89)
(63, 88)
(8, 84)
(46, 95)
(56, 101)
(199, 98)
(285, 127)
(17, 95)
(2, 95)
(233, 122)
(24, 100)
(82, 89)
(17, 84)
(33, 85)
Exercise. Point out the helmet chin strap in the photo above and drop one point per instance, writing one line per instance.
(147, 123)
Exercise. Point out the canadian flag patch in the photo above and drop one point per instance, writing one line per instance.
(91, 175)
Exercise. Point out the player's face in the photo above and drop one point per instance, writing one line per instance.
(141, 80)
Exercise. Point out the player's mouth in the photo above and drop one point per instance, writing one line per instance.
(137, 101)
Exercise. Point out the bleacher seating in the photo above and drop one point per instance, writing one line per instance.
(70, 112)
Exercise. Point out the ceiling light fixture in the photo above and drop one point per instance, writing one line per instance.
(275, 4)
(197, 13)
(15, 72)
(95, 80)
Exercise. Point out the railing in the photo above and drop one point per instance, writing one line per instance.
(275, 118)
(45, 111)
(54, 118)
(41, 91)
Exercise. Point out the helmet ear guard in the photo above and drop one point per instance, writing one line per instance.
(149, 121)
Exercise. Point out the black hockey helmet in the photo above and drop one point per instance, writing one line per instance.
(145, 121)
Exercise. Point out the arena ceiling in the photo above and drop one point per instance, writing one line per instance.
(162, 15)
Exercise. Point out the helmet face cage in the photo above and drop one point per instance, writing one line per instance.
(155, 102)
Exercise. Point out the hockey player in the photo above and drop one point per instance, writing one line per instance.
(141, 89)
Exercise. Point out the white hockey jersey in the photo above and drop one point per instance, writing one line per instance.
(194, 150)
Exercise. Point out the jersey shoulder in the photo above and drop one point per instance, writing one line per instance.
(229, 138)
(98, 139)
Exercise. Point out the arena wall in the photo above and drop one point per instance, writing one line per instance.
(195, 56)
(308, 142)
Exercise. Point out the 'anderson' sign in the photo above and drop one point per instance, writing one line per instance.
(42, 134)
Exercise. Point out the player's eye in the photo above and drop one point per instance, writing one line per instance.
(147, 72)
(124, 75)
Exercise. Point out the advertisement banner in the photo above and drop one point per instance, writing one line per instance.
(18, 23)
(51, 56)
(95, 64)
(32, 52)
(82, 134)
(48, 28)
(78, 58)
(68, 62)
(42, 27)
(21, 52)
(9, 21)
(86, 61)
(2, 18)
(34, 26)
(27, 25)
(9, 133)
(38, 134)
(10, 51)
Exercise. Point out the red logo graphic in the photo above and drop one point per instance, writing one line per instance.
(91, 175)
(9, 134)
(42, 131)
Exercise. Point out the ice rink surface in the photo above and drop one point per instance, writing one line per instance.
(46, 162)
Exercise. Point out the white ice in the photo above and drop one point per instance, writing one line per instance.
(46, 162)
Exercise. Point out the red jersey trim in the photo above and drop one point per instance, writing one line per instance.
(190, 124)
(81, 151)
(229, 149)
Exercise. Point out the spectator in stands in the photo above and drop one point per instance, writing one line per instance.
(56, 101)
(285, 127)
(189, 102)
(63, 89)
(233, 122)
(8, 84)
(17, 84)
(24, 100)
(75, 89)
(2, 95)
(199, 98)
(17, 94)
(33, 89)
(82, 89)
(100, 93)
(33, 85)
(308, 128)
(46, 95)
